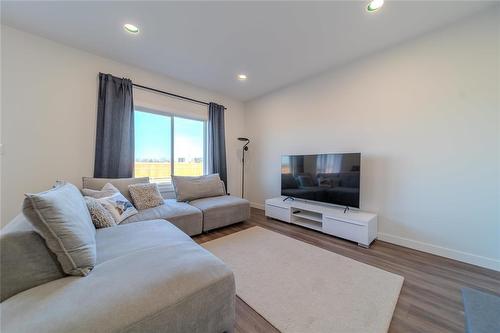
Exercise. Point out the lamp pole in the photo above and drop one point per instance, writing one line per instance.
(243, 150)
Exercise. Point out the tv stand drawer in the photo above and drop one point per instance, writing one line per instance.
(278, 213)
(351, 231)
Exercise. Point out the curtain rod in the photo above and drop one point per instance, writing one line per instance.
(172, 95)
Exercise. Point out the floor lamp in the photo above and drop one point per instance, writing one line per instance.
(244, 149)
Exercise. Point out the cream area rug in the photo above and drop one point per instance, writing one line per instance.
(302, 288)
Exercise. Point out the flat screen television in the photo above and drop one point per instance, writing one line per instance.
(328, 178)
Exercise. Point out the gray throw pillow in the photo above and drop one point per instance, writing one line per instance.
(26, 260)
(101, 217)
(191, 188)
(107, 190)
(61, 217)
(145, 195)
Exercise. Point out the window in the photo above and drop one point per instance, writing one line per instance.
(189, 143)
(166, 144)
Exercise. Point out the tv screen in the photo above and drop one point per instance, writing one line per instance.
(329, 178)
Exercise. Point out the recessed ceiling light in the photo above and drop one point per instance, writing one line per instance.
(242, 77)
(374, 5)
(131, 28)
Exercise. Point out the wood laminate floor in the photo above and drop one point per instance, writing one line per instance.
(430, 300)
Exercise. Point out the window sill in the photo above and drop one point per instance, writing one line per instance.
(165, 187)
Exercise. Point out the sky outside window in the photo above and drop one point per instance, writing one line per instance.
(152, 137)
(188, 146)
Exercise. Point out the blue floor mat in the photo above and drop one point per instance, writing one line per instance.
(482, 311)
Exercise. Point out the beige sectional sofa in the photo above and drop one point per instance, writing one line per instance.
(192, 217)
(149, 276)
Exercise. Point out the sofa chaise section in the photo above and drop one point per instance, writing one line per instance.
(149, 277)
(222, 210)
(182, 215)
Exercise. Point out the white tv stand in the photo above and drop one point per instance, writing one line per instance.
(354, 225)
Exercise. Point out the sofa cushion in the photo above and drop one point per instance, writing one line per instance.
(145, 195)
(129, 238)
(184, 216)
(174, 287)
(192, 188)
(120, 183)
(61, 217)
(25, 259)
(222, 210)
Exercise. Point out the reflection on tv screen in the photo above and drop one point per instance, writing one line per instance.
(329, 178)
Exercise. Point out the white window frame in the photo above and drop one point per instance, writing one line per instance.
(168, 186)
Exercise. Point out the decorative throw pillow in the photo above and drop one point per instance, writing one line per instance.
(145, 195)
(191, 188)
(61, 217)
(112, 199)
(101, 217)
(107, 190)
(118, 206)
(120, 183)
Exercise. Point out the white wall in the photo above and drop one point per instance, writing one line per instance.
(49, 96)
(425, 116)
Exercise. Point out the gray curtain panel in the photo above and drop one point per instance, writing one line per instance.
(216, 141)
(114, 151)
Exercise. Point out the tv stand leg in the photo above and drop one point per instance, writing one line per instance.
(291, 198)
(364, 246)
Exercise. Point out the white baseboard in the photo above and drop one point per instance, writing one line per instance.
(257, 205)
(466, 257)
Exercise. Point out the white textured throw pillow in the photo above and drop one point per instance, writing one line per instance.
(101, 217)
(145, 195)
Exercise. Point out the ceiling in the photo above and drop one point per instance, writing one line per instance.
(209, 43)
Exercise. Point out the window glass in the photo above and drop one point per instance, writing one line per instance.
(153, 146)
(188, 147)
